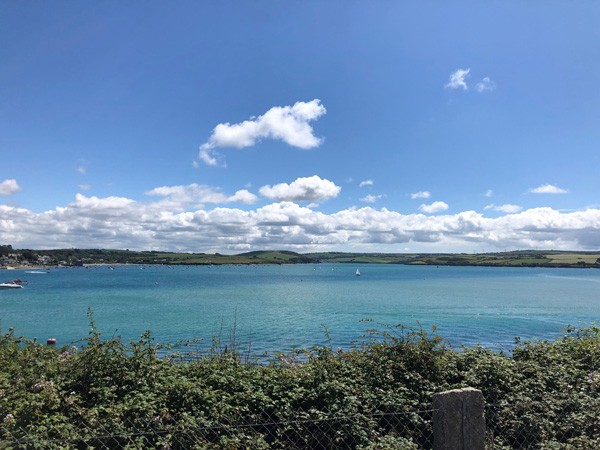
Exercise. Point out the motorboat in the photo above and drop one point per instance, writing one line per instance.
(14, 284)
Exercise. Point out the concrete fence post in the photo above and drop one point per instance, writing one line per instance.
(458, 420)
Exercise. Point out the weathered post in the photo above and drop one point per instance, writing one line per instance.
(458, 420)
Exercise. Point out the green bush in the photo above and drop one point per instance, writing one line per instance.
(544, 394)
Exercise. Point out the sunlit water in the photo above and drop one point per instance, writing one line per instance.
(284, 306)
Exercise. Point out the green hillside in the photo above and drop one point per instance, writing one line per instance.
(10, 257)
(527, 258)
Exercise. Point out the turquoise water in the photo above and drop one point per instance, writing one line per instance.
(284, 306)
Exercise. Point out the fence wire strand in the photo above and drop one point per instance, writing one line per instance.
(304, 430)
(534, 424)
(543, 424)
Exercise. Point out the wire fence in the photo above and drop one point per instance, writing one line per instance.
(534, 424)
(549, 423)
(303, 430)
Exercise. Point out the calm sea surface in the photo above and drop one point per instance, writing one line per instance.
(285, 306)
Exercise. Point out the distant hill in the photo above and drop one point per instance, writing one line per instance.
(520, 258)
(10, 257)
(278, 257)
(78, 257)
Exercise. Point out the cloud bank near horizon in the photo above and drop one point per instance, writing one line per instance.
(118, 222)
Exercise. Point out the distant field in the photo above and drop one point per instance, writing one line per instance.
(528, 258)
(573, 258)
(525, 258)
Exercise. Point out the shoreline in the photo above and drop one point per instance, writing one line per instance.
(521, 265)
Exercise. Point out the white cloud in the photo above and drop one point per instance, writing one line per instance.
(85, 187)
(192, 193)
(366, 183)
(371, 198)
(243, 196)
(81, 169)
(504, 208)
(100, 208)
(310, 189)
(116, 222)
(485, 85)
(434, 207)
(489, 193)
(548, 189)
(287, 123)
(181, 198)
(457, 79)
(422, 194)
(210, 157)
(9, 187)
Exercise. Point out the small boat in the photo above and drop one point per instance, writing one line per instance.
(11, 285)
(357, 273)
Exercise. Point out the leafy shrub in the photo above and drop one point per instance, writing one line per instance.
(545, 394)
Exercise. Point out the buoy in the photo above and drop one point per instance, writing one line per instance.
(51, 341)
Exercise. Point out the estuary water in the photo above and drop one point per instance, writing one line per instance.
(279, 307)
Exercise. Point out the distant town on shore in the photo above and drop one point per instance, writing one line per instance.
(11, 258)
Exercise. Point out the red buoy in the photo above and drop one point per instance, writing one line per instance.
(51, 342)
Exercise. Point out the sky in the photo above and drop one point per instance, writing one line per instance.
(383, 126)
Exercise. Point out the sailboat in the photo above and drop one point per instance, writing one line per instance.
(357, 273)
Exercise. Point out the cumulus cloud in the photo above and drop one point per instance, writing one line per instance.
(435, 207)
(180, 198)
(9, 187)
(366, 183)
(371, 198)
(81, 169)
(548, 189)
(504, 208)
(210, 157)
(485, 85)
(489, 193)
(84, 187)
(309, 189)
(101, 208)
(457, 79)
(243, 196)
(289, 124)
(117, 222)
(422, 194)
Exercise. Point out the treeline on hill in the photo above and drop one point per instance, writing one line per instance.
(544, 395)
(78, 257)
(522, 258)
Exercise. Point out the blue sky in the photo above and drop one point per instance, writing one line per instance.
(357, 126)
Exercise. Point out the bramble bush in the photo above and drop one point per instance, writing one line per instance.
(542, 394)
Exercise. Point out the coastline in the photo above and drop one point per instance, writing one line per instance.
(48, 259)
